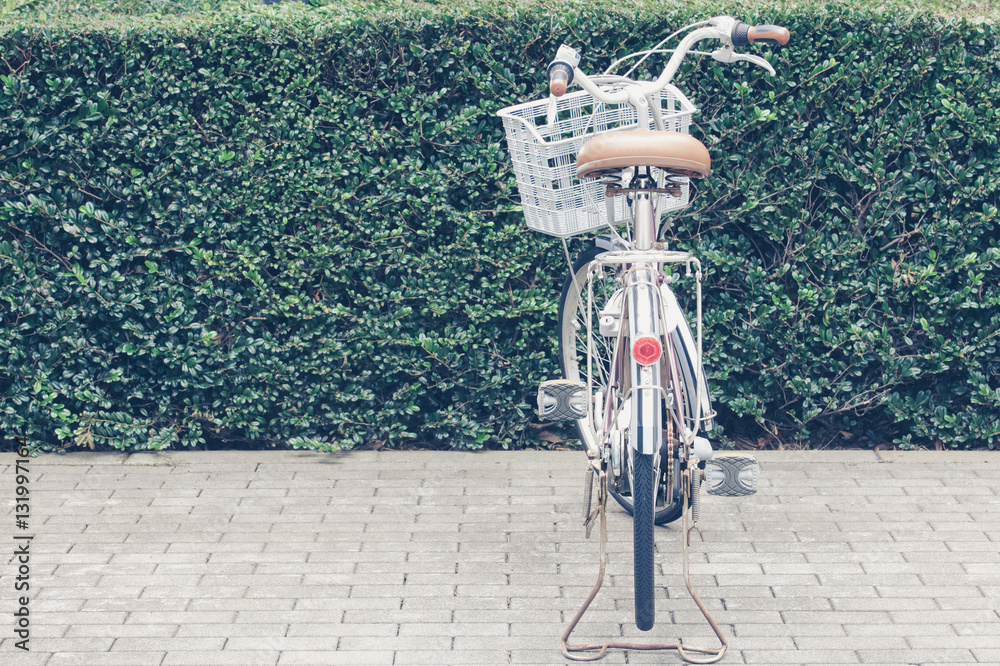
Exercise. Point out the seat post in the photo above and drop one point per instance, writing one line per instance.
(643, 234)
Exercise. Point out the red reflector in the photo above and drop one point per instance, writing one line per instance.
(646, 350)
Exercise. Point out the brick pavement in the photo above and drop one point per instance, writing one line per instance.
(198, 558)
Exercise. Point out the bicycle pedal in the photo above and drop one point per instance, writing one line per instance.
(732, 475)
(562, 400)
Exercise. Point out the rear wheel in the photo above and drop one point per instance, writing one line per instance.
(573, 318)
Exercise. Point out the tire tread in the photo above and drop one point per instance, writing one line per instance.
(642, 525)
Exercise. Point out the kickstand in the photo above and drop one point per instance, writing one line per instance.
(713, 654)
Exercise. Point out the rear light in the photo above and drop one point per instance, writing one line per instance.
(647, 350)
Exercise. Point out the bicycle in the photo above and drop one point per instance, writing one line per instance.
(618, 153)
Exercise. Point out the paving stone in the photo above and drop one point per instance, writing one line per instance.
(883, 604)
(987, 656)
(453, 658)
(222, 658)
(133, 605)
(204, 645)
(799, 656)
(123, 630)
(880, 642)
(928, 656)
(968, 642)
(326, 657)
(968, 603)
(791, 630)
(901, 630)
(369, 628)
(181, 617)
(106, 659)
(953, 616)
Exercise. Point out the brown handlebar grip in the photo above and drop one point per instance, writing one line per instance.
(560, 76)
(768, 34)
(557, 84)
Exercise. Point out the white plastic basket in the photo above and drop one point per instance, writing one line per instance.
(554, 200)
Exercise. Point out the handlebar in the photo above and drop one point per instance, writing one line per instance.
(563, 70)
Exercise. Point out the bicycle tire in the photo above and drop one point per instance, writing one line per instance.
(643, 501)
(572, 359)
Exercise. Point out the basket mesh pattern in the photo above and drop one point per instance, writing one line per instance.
(554, 200)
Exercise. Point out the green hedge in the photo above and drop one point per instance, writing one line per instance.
(293, 225)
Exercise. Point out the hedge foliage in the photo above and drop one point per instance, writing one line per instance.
(295, 225)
